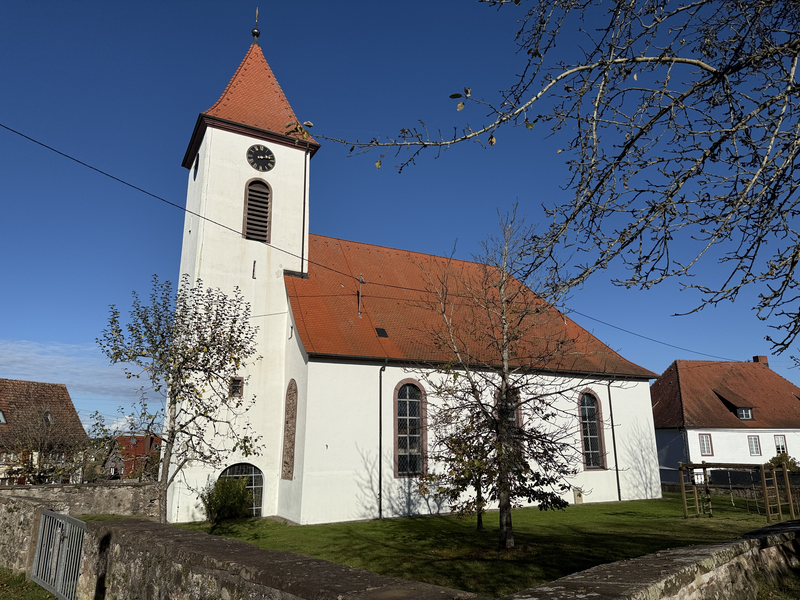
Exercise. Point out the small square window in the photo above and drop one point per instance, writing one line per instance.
(745, 414)
(237, 387)
(754, 444)
(705, 445)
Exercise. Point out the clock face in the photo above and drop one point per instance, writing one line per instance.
(261, 158)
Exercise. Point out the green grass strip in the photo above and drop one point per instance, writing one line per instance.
(449, 551)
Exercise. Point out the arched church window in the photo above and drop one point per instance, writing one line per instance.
(289, 431)
(410, 434)
(255, 483)
(591, 432)
(257, 211)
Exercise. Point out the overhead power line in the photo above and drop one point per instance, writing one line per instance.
(320, 265)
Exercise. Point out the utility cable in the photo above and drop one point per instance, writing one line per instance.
(231, 229)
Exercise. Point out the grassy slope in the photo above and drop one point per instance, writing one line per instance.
(450, 552)
(15, 587)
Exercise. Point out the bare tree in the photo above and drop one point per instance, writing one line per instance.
(498, 426)
(682, 133)
(191, 346)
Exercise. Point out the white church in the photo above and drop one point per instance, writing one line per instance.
(340, 404)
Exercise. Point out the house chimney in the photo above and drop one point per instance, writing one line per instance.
(761, 359)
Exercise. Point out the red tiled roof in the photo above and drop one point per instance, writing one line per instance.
(24, 403)
(253, 103)
(325, 308)
(706, 394)
(254, 97)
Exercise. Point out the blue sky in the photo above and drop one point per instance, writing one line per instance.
(119, 87)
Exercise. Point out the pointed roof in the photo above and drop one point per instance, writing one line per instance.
(254, 97)
(705, 393)
(396, 300)
(254, 104)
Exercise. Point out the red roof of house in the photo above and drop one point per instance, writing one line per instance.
(702, 393)
(254, 104)
(394, 298)
(24, 404)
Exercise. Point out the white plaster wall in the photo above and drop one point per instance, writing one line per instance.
(340, 477)
(730, 445)
(224, 259)
(290, 493)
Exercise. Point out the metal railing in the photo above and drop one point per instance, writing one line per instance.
(57, 561)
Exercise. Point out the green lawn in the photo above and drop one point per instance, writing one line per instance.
(449, 551)
(15, 587)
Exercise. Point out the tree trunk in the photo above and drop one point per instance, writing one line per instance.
(479, 500)
(166, 458)
(504, 499)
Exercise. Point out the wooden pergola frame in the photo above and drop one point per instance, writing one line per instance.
(769, 481)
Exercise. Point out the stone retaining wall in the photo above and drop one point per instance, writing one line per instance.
(19, 525)
(94, 499)
(731, 571)
(141, 559)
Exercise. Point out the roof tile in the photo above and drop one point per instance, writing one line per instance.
(326, 312)
(24, 403)
(254, 98)
(694, 393)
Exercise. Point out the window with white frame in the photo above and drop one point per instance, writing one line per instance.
(780, 444)
(706, 449)
(745, 414)
(754, 444)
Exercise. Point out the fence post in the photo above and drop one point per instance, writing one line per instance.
(707, 490)
(765, 492)
(682, 474)
(788, 491)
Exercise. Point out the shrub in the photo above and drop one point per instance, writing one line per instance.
(227, 498)
(777, 462)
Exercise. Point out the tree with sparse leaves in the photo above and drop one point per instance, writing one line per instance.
(190, 345)
(680, 124)
(499, 429)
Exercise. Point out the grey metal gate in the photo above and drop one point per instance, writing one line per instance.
(57, 561)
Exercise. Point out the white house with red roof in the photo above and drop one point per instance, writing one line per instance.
(724, 412)
(340, 395)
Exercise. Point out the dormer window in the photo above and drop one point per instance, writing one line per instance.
(745, 413)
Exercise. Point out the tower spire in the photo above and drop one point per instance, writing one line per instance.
(255, 31)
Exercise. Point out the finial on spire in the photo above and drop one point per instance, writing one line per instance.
(255, 31)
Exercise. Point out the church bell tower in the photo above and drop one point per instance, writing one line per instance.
(249, 170)
(246, 227)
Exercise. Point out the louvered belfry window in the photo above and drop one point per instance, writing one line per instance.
(257, 212)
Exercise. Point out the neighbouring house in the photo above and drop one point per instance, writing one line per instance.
(723, 412)
(41, 436)
(340, 391)
(133, 457)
